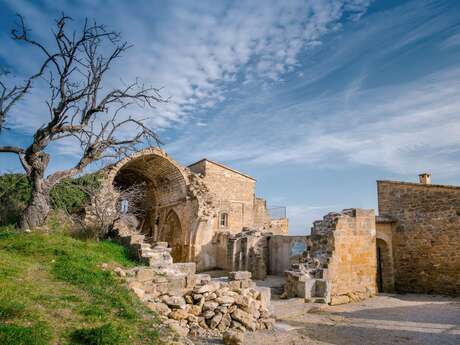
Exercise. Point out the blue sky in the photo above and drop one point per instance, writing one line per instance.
(315, 99)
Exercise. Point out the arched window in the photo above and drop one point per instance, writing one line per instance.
(223, 221)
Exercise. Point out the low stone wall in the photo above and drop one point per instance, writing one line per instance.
(201, 306)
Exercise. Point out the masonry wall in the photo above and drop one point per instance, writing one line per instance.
(261, 216)
(345, 244)
(426, 236)
(248, 251)
(233, 192)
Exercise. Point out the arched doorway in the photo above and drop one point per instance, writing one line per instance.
(385, 279)
(163, 209)
(172, 233)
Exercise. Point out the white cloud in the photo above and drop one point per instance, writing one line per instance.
(201, 49)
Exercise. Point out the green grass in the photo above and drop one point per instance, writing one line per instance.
(54, 290)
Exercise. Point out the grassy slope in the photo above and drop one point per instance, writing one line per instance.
(53, 290)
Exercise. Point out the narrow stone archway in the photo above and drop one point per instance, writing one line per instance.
(172, 233)
(385, 278)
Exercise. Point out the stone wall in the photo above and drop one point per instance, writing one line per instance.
(261, 216)
(352, 268)
(426, 235)
(248, 251)
(233, 192)
(279, 226)
(344, 244)
(285, 251)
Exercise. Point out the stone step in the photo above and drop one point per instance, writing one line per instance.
(160, 245)
(137, 238)
(320, 300)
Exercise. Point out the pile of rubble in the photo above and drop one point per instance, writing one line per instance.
(193, 304)
(210, 308)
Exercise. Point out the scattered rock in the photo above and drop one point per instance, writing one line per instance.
(225, 300)
(160, 308)
(215, 320)
(175, 302)
(210, 305)
(239, 275)
(233, 338)
(245, 318)
(178, 314)
(210, 287)
(120, 272)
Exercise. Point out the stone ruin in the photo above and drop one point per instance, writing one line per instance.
(206, 216)
(193, 304)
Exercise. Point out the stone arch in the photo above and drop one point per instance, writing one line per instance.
(385, 274)
(173, 233)
(171, 205)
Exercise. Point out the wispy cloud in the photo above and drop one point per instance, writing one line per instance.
(200, 50)
(401, 127)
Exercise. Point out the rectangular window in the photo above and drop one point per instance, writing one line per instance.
(224, 220)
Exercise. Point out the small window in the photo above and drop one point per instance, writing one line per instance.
(124, 206)
(223, 220)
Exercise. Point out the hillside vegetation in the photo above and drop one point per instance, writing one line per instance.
(69, 195)
(59, 290)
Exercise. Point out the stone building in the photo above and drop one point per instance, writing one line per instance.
(418, 237)
(208, 214)
(194, 209)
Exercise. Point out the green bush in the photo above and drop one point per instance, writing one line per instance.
(70, 195)
(104, 335)
(15, 193)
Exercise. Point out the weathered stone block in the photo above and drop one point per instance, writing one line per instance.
(239, 275)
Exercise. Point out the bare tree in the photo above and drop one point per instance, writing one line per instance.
(79, 105)
(101, 215)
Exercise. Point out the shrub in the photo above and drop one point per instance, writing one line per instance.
(15, 193)
(69, 195)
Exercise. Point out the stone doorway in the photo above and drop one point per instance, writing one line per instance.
(385, 279)
(172, 233)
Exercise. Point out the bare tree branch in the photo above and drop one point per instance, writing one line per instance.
(80, 105)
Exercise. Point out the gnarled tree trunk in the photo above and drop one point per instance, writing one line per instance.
(39, 206)
(38, 209)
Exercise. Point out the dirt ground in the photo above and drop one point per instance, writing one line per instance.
(383, 320)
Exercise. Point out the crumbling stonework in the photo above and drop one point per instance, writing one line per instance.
(352, 263)
(248, 250)
(339, 265)
(188, 207)
(208, 308)
(189, 302)
(425, 235)
(284, 251)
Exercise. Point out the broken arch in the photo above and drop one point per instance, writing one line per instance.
(164, 212)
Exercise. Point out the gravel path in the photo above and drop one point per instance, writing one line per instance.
(385, 319)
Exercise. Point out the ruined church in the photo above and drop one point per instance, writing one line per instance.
(208, 214)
